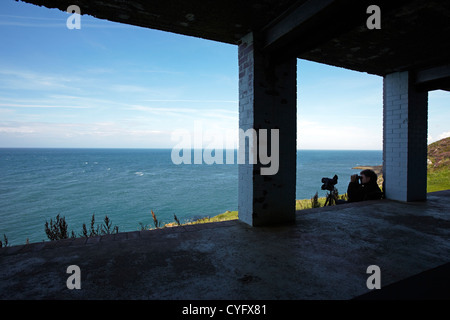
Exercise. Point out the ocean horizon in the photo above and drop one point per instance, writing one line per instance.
(36, 184)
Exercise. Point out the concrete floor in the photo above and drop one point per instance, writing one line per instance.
(323, 256)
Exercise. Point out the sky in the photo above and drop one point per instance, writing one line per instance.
(110, 85)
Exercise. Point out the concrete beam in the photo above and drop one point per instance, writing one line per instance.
(433, 78)
(292, 19)
(312, 24)
(317, 22)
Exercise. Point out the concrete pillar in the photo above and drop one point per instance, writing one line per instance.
(405, 124)
(267, 100)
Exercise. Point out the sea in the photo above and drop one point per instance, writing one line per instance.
(126, 184)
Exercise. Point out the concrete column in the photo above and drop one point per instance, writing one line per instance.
(267, 100)
(405, 124)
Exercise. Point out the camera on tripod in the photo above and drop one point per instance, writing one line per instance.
(332, 196)
(328, 184)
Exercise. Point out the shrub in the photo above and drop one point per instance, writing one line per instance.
(155, 220)
(315, 201)
(105, 228)
(56, 230)
(5, 241)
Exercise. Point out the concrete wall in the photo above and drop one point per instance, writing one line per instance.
(267, 100)
(405, 126)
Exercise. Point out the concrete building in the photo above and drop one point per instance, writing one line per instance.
(405, 42)
(325, 253)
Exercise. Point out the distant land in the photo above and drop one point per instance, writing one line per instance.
(438, 160)
(439, 154)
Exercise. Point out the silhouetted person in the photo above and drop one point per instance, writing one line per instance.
(368, 189)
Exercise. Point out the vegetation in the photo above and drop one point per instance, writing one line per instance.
(102, 229)
(5, 241)
(438, 177)
(438, 170)
(438, 180)
(439, 154)
(155, 221)
(314, 202)
(227, 215)
(59, 229)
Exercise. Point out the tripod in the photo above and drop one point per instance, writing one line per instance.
(332, 197)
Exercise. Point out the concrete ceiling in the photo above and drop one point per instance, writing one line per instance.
(414, 35)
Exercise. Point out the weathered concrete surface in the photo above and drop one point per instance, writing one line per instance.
(323, 256)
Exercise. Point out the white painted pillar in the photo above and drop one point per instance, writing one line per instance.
(267, 100)
(405, 124)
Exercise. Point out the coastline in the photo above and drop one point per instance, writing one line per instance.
(377, 169)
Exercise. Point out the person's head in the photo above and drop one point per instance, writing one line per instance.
(368, 176)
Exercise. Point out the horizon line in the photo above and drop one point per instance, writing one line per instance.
(168, 148)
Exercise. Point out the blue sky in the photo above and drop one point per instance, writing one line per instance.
(114, 85)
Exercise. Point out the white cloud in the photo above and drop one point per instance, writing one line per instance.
(60, 22)
(196, 101)
(21, 129)
(96, 134)
(27, 80)
(315, 135)
(11, 105)
(444, 135)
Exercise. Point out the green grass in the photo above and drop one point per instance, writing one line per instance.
(227, 215)
(438, 179)
(306, 203)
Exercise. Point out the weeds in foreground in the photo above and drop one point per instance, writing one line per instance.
(176, 220)
(155, 221)
(58, 229)
(315, 201)
(5, 241)
(107, 227)
(143, 226)
(102, 229)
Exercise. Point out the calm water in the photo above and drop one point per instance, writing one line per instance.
(125, 184)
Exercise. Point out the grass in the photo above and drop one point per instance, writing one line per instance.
(307, 204)
(59, 229)
(226, 216)
(314, 202)
(438, 179)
